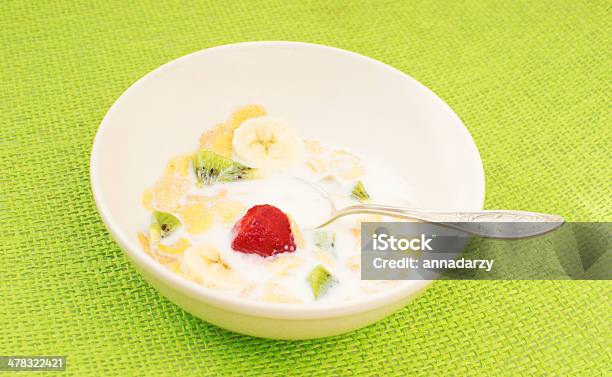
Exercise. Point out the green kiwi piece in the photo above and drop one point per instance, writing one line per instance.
(325, 240)
(359, 192)
(167, 222)
(319, 279)
(211, 167)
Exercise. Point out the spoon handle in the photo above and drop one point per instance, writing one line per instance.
(487, 223)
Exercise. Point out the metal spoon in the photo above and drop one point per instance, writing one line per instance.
(502, 224)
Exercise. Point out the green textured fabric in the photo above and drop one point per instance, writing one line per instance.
(529, 79)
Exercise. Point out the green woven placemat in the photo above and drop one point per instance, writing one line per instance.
(529, 79)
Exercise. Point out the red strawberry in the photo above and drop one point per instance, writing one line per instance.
(263, 230)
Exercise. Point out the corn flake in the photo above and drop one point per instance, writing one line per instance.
(324, 257)
(197, 217)
(347, 169)
(219, 138)
(346, 165)
(227, 211)
(200, 199)
(317, 165)
(285, 265)
(244, 113)
(176, 248)
(353, 263)
(168, 191)
(179, 165)
(144, 242)
(314, 146)
(147, 199)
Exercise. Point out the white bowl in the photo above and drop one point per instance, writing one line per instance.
(327, 94)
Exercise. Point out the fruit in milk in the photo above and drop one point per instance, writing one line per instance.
(264, 230)
(236, 215)
(268, 143)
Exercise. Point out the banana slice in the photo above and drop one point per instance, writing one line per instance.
(267, 143)
(203, 263)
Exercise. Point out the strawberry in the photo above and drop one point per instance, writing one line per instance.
(263, 230)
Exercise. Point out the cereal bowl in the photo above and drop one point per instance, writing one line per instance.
(327, 94)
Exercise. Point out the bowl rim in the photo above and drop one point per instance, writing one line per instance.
(234, 303)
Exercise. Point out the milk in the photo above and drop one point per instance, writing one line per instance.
(309, 199)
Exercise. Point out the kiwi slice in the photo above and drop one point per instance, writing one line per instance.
(359, 192)
(325, 240)
(319, 279)
(167, 222)
(211, 167)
